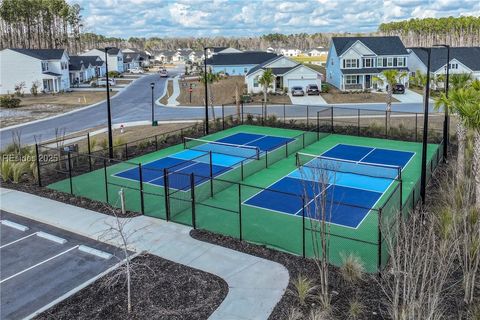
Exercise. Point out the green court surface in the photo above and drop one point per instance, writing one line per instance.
(226, 213)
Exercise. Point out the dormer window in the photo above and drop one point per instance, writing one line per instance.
(44, 66)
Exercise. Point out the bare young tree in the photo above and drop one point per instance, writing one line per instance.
(421, 262)
(120, 232)
(318, 176)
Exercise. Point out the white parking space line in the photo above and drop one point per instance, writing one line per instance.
(38, 264)
(95, 252)
(14, 225)
(15, 241)
(51, 237)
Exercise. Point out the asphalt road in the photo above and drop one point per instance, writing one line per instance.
(134, 104)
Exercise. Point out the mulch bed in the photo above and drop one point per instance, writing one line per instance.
(30, 187)
(161, 289)
(366, 291)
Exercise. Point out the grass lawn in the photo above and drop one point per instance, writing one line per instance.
(69, 98)
(223, 91)
(336, 96)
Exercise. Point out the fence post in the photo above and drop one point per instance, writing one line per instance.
(211, 172)
(358, 123)
(37, 154)
(318, 125)
(379, 265)
(70, 172)
(223, 117)
(240, 211)
(284, 115)
(331, 120)
(165, 187)
(386, 124)
(303, 226)
(416, 124)
(241, 168)
(126, 151)
(192, 188)
(106, 178)
(156, 143)
(286, 149)
(303, 140)
(140, 175)
(308, 117)
(401, 197)
(266, 159)
(89, 152)
(242, 111)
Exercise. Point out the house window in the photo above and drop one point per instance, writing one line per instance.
(331, 62)
(389, 62)
(453, 65)
(349, 79)
(401, 62)
(367, 63)
(255, 82)
(350, 63)
(245, 70)
(44, 66)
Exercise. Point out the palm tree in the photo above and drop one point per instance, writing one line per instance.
(469, 111)
(266, 81)
(390, 77)
(211, 78)
(453, 103)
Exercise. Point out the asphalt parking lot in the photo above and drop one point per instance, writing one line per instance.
(41, 264)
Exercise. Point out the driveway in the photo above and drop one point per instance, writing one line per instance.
(40, 264)
(409, 97)
(308, 100)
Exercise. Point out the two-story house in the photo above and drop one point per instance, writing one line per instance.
(353, 62)
(84, 68)
(114, 58)
(45, 68)
(462, 60)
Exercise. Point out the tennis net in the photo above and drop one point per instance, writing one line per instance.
(236, 150)
(315, 162)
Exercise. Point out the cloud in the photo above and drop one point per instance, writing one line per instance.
(170, 18)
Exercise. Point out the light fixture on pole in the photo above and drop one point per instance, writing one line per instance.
(446, 124)
(109, 112)
(423, 182)
(152, 85)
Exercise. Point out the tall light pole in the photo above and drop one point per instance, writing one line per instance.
(423, 182)
(206, 86)
(446, 124)
(109, 112)
(152, 85)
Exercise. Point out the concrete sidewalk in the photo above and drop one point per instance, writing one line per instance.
(255, 284)
(172, 100)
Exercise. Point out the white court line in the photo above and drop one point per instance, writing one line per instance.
(373, 149)
(38, 264)
(15, 241)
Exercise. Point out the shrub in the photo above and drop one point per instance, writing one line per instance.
(113, 74)
(304, 288)
(352, 268)
(6, 170)
(118, 141)
(18, 170)
(9, 102)
(325, 87)
(355, 309)
(19, 89)
(103, 144)
(34, 88)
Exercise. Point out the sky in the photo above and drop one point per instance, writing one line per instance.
(243, 18)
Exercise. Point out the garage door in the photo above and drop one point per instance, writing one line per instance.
(300, 83)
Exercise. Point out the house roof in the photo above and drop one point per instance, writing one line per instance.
(42, 54)
(261, 65)
(388, 45)
(111, 51)
(370, 70)
(129, 57)
(240, 58)
(469, 56)
(76, 62)
(218, 49)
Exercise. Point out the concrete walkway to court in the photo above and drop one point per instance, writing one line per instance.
(255, 284)
(172, 100)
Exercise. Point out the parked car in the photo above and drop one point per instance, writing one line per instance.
(163, 73)
(297, 91)
(136, 70)
(312, 89)
(398, 88)
(102, 82)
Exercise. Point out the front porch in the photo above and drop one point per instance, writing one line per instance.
(51, 82)
(358, 82)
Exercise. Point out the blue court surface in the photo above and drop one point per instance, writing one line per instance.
(354, 179)
(226, 154)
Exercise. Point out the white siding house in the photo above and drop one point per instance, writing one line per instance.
(83, 68)
(114, 60)
(48, 68)
(288, 74)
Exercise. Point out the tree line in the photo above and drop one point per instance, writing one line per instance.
(454, 31)
(40, 24)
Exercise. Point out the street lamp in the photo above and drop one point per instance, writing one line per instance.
(109, 112)
(446, 121)
(423, 182)
(152, 85)
(206, 85)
